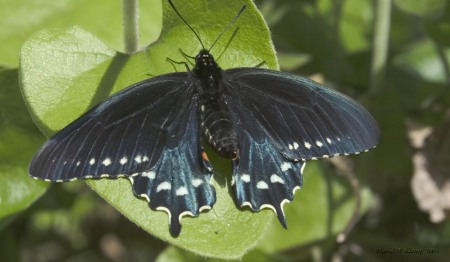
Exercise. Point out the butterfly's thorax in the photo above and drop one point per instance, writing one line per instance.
(215, 118)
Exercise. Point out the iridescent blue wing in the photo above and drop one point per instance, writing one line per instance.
(147, 133)
(282, 120)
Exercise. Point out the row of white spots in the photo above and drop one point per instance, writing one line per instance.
(262, 184)
(308, 145)
(107, 161)
(293, 146)
(181, 191)
(152, 175)
(139, 159)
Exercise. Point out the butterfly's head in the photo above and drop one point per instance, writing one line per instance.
(206, 66)
(204, 60)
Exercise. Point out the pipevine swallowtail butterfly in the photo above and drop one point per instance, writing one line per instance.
(267, 122)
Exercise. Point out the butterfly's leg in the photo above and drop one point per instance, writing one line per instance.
(173, 62)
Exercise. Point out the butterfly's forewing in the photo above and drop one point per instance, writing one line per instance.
(303, 119)
(148, 133)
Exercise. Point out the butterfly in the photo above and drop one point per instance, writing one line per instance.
(267, 122)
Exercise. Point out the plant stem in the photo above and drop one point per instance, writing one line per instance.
(380, 44)
(130, 13)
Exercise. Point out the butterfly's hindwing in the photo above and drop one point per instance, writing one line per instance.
(178, 183)
(302, 119)
(263, 177)
(149, 133)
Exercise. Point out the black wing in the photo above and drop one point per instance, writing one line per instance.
(281, 119)
(303, 119)
(147, 133)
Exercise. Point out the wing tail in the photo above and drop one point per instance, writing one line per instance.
(264, 178)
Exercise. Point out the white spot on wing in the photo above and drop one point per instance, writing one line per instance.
(138, 159)
(197, 182)
(245, 178)
(78, 163)
(107, 161)
(181, 191)
(295, 145)
(290, 147)
(145, 159)
(92, 161)
(328, 140)
(149, 174)
(262, 185)
(276, 179)
(123, 160)
(307, 145)
(285, 166)
(163, 186)
(319, 144)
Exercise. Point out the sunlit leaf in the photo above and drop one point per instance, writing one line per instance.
(80, 70)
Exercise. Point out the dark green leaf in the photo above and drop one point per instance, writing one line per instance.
(19, 139)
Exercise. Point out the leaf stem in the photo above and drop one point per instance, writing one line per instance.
(380, 44)
(130, 13)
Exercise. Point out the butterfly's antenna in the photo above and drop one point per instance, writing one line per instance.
(228, 26)
(192, 29)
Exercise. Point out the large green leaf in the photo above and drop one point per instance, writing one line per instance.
(19, 138)
(20, 18)
(66, 71)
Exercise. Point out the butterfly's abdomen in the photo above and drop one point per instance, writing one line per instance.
(217, 128)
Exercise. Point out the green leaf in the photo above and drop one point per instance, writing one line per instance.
(422, 8)
(65, 72)
(19, 139)
(21, 18)
(423, 58)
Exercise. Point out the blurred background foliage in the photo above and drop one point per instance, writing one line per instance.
(339, 42)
